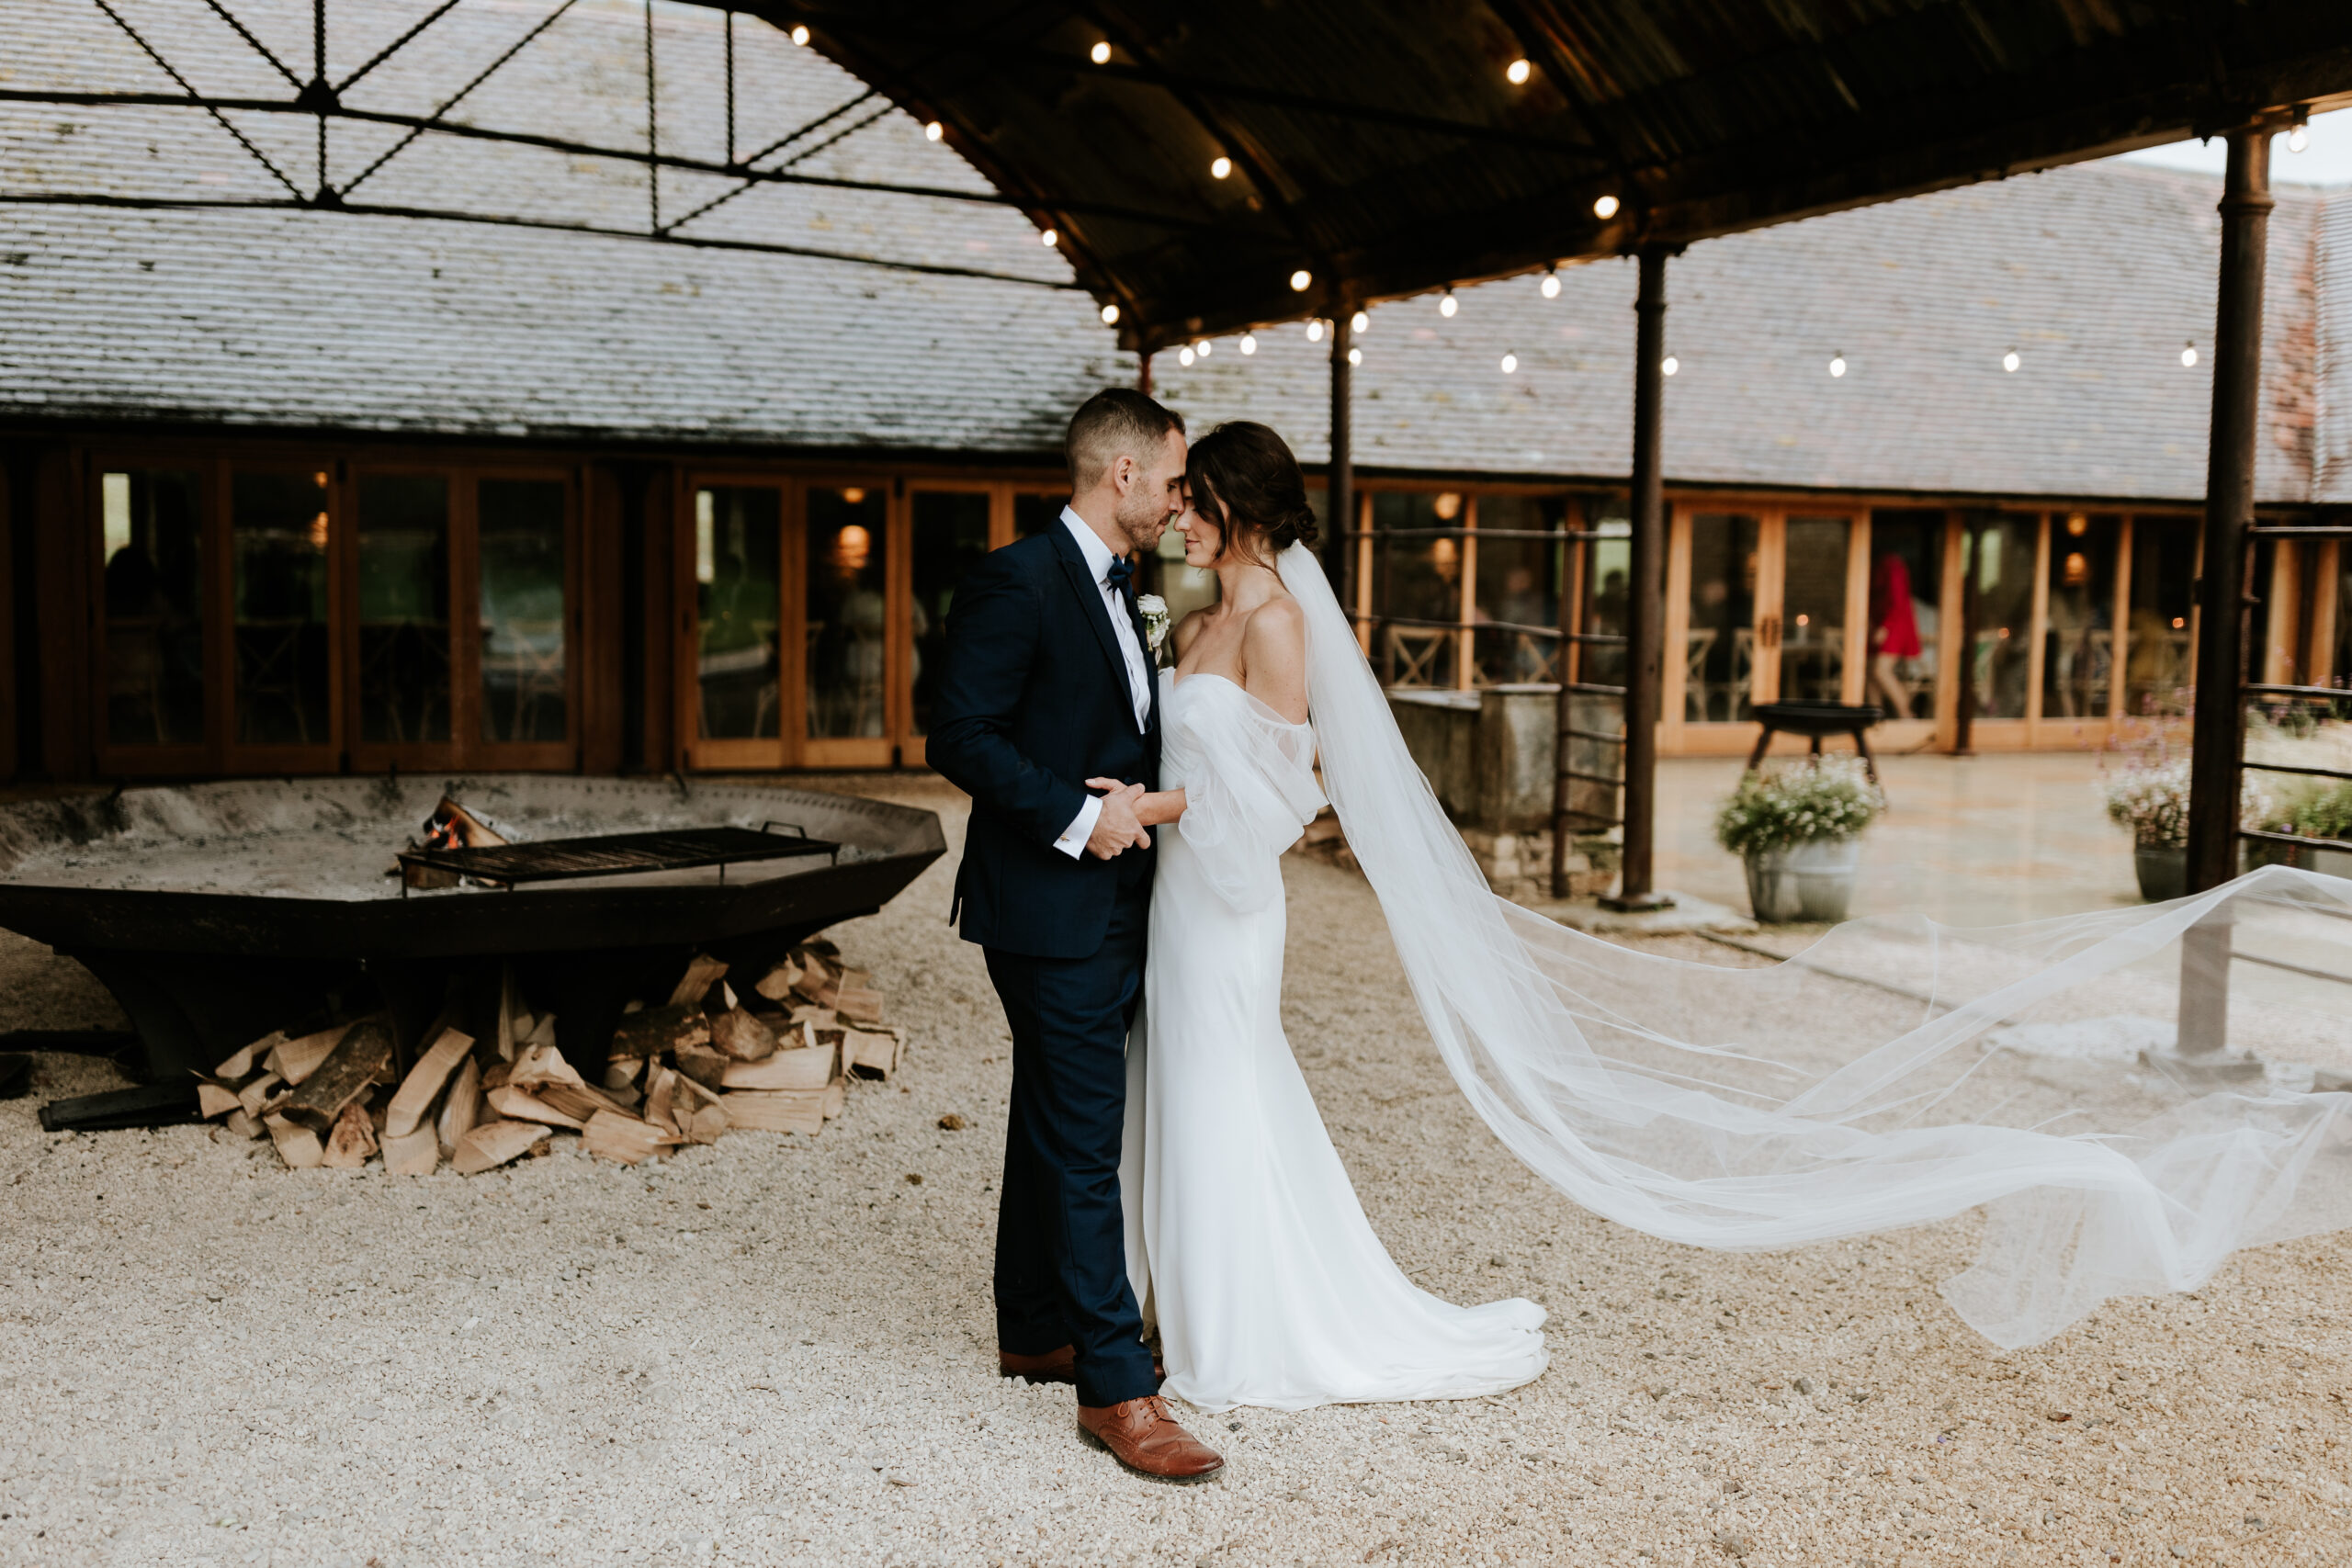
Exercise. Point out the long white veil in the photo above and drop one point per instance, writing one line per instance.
(1897, 1072)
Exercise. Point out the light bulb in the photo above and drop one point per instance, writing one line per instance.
(1550, 287)
(1314, 330)
(1360, 321)
(1518, 72)
(2298, 139)
(1605, 208)
(1101, 52)
(2010, 361)
(800, 35)
(933, 131)
(1836, 365)
(1355, 356)
(1050, 238)
(1511, 364)
(1183, 356)
(1249, 342)
(1300, 279)
(1671, 365)
(1447, 304)
(1201, 348)
(1110, 315)
(1220, 168)
(2188, 354)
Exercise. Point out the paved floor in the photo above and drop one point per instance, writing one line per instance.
(1971, 841)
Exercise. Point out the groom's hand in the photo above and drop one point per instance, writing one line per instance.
(1116, 827)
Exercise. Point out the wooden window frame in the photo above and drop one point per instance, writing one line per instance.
(738, 755)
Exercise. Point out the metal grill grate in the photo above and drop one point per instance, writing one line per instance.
(619, 854)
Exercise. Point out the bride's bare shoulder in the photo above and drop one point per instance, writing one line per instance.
(1187, 629)
(1278, 621)
(1273, 653)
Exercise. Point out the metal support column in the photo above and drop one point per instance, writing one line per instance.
(1645, 590)
(1341, 477)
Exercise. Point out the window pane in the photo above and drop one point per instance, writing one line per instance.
(1417, 578)
(278, 558)
(2157, 670)
(1519, 587)
(2079, 651)
(403, 607)
(525, 694)
(847, 646)
(1035, 513)
(738, 574)
(1812, 609)
(951, 532)
(155, 596)
(1720, 653)
(1907, 580)
(1608, 569)
(2001, 571)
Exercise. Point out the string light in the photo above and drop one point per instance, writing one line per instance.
(1220, 168)
(1605, 208)
(2299, 135)
(1314, 330)
(1201, 349)
(1300, 279)
(1511, 364)
(1550, 287)
(1050, 238)
(933, 131)
(1447, 304)
(1249, 342)
(1671, 365)
(1836, 365)
(1183, 356)
(1355, 356)
(1361, 321)
(1101, 52)
(1110, 315)
(2188, 354)
(1518, 72)
(800, 35)
(2010, 360)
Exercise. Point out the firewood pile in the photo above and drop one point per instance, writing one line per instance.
(778, 1057)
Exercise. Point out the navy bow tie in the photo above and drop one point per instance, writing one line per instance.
(1121, 576)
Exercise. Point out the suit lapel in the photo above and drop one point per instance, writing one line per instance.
(1090, 606)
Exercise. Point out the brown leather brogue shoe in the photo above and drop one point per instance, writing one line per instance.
(1142, 1436)
(1054, 1366)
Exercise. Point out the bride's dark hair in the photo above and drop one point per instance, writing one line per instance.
(1253, 486)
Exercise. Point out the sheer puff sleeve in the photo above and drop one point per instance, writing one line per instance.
(1250, 791)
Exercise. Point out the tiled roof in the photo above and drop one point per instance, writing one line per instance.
(2097, 274)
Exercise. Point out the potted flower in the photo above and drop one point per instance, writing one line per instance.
(2152, 799)
(1799, 830)
(2322, 813)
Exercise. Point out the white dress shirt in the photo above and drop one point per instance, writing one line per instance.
(1098, 560)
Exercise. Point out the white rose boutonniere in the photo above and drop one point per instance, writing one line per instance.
(1154, 610)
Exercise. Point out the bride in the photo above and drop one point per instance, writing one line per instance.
(1245, 1241)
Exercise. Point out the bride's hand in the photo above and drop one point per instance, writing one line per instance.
(1151, 809)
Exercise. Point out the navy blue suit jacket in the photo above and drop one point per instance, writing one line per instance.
(1034, 702)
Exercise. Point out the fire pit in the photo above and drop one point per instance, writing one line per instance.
(218, 912)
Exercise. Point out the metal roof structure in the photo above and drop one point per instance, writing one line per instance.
(1229, 162)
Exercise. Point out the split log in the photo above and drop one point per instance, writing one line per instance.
(697, 980)
(576, 1099)
(297, 1144)
(415, 1153)
(836, 1098)
(661, 1094)
(496, 1074)
(738, 1033)
(699, 1116)
(872, 1052)
(624, 1139)
(296, 1060)
(539, 1063)
(813, 1017)
(857, 999)
(215, 1100)
(245, 1123)
(257, 1094)
(364, 1052)
(492, 1144)
(811, 1067)
(621, 1074)
(642, 1036)
(778, 1111)
(460, 1108)
(424, 1083)
(540, 1036)
(352, 1139)
(704, 1064)
(783, 976)
(522, 1105)
(242, 1065)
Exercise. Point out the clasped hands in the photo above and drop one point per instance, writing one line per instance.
(1127, 812)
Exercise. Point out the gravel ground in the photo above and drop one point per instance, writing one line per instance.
(777, 1349)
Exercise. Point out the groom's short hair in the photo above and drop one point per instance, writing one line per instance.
(1115, 422)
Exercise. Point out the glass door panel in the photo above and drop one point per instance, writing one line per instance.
(739, 576)
(2157, 672)
(279, 598)
(1034, 513)
(1906, 583)
(404, 667)
(847, 607)
(1607, 571)
(2079, 637)
(1720, 649)
(2001, 567)
(950, 533)
(525, 688)
(1417, 586)
(1518, 602)
(1812, 608)
(152, 528)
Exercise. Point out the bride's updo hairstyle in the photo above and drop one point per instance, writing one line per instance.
(1245, 481)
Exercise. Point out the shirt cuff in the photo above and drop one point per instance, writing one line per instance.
(1082, 827)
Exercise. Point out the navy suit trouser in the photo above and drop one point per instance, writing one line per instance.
(1061, 1255)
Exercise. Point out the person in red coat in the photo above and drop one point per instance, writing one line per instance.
(1894, 631)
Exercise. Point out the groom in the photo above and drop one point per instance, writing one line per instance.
(1047, 684)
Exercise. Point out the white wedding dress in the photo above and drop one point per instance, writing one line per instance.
(1245, 1241)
